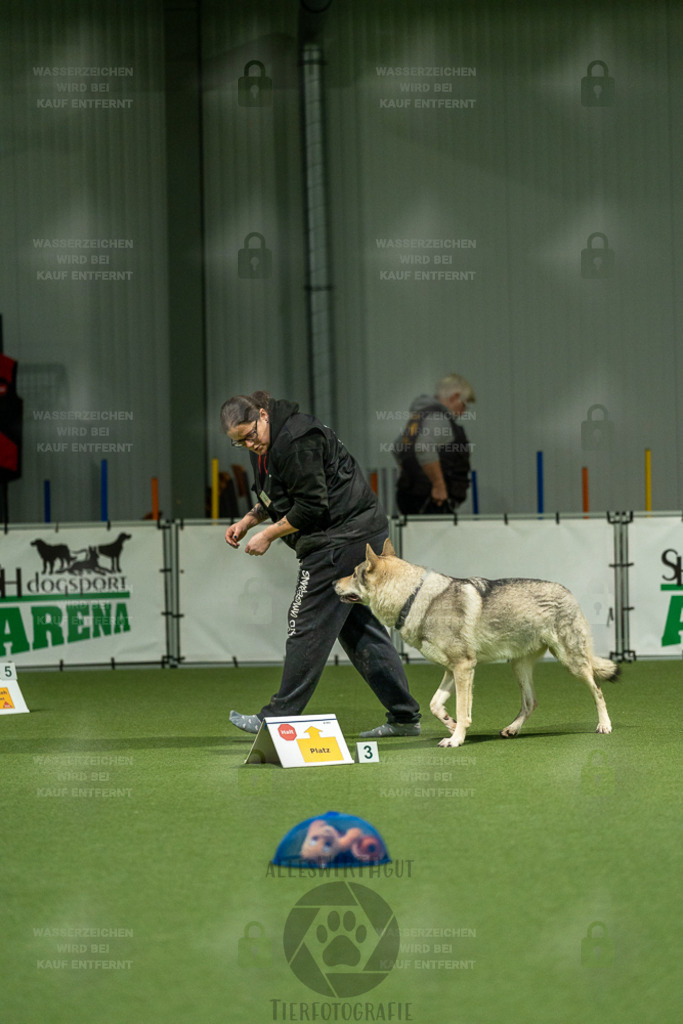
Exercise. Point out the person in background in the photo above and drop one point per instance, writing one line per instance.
(314, 496)
(433, 451)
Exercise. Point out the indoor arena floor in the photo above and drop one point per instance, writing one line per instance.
(532, 881)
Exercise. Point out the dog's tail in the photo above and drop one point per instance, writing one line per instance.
(603, 668)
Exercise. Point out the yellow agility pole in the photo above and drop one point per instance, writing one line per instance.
(648, 480)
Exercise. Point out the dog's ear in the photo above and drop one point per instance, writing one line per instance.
(371, 557)
(388, 548)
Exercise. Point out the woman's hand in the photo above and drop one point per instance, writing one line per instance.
(259, 544)
(235, 532)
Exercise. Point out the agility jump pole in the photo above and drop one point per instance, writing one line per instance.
(214, 488)
(584, 488)
(155, 497)
(104, 492)
(539, 482)
(475, 493)
(47, 504)
(648, 480)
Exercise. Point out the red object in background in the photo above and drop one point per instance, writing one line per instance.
(11, 410)
(9, 455)
(8, 374)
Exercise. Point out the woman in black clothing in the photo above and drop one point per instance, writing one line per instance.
(318, 501)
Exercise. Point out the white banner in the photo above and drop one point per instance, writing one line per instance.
(575, 552)
(82, 594)
(655, 551)
(87, 594)
(233, 606)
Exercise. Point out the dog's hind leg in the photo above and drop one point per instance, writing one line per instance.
(437, 705)
(463, 678)
(586, 674)
(523, 669)
(577, 658)
(604, 725)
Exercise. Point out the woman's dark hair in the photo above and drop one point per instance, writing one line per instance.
(243, 409)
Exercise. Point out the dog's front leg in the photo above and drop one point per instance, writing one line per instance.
(437, 705)
(463, 677)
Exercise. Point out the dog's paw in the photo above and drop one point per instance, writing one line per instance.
(452, 741)
(509, 733)
(604, 728)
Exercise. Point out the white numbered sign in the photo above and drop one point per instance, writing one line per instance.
(367, 752)
(11, 698)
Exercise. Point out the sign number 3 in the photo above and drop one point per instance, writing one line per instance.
(367, 752)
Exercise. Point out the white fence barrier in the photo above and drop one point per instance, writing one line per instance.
(83, 594)
(233, 606)
(140, 593)
(655, 575)
(576, 552)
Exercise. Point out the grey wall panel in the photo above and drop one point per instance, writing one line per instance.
(83, 163)
(480, 143)
(523, 172)
(256, 326)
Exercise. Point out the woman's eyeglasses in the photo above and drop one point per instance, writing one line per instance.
(251, 436)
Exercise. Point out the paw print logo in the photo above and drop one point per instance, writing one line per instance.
(341, 939)
(341, 947)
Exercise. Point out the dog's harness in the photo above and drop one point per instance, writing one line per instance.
(405, 610)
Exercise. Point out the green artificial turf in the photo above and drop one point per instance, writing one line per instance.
(504, 852)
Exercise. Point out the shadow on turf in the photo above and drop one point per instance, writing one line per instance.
(69, 745)
(431, 741)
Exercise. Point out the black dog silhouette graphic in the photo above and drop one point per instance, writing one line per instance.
(88, 564)
(83, 559)
(113, 551)
(51, 553)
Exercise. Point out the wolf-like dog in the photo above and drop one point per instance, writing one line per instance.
(456, 623)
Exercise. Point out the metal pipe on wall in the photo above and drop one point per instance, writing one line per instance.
(316, 187)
